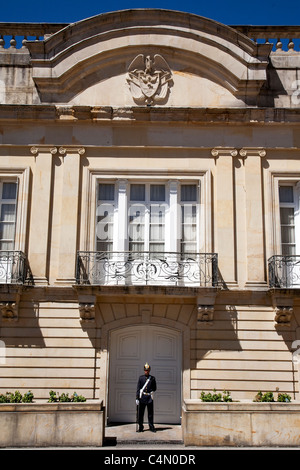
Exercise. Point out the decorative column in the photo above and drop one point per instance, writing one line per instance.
(225, 214)
(256, 272)
(69, 214)
(40, 213)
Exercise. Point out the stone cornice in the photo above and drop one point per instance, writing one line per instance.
(145, 114)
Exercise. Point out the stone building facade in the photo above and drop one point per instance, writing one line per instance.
(149, 183)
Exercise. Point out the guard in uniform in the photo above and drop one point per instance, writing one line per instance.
(146, 386)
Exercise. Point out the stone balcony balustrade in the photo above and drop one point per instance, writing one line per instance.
(13, 36)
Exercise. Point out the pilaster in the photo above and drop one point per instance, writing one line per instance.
(256, 271)
(69, 214)
(40, 213)
(225, 214)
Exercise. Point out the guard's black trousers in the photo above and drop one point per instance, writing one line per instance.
(142, 407)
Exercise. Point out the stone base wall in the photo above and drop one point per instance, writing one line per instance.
(241, 424)
(51, 424)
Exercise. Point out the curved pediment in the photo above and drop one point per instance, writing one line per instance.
(148, 57)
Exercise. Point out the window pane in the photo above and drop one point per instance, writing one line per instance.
(136, 227)
(156, 247)
(9, 190)
(157, 214)
(106, 192)
(188, 192)
(287, 234)
(7, 231)
(104, 227)
(286, 194)
(287, 216)
(8, 212)
(157, 192)
(5, 245)
(288, 250)
(137, 192)
(188, 214)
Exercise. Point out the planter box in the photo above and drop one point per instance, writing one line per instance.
(51, 424)
(241, 424)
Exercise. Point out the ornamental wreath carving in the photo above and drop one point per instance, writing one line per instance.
(149, 80)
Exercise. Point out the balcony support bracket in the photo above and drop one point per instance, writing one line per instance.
(206, 308)
(283, 305)
(87, 306)
(9, 305)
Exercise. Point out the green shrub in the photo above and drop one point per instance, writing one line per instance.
(216, 396)
(284, 397)
(64, 397)
(264, 397)
(16, 397)
(269, 397)
(77, 398)
(53, 397)
(28, 397)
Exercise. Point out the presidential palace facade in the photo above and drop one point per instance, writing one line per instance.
(150, 209)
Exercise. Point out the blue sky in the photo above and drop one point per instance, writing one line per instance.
(255, 12)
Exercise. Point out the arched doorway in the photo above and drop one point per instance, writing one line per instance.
(130, 348)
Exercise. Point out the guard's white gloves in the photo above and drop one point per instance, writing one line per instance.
(137, 402)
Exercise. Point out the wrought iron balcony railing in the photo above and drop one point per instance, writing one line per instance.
(284, 272)
(14, 268)
(144, 268)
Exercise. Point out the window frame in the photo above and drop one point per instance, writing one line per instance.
(278, 181)
(22, 177)
(92, 177)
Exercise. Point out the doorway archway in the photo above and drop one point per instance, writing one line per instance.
(130, 348)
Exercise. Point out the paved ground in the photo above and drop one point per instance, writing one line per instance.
(118, 435)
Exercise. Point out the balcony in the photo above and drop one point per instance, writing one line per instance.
(147, 269)
(14, 268)
(284, 272)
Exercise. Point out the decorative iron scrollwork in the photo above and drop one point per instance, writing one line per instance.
(144, 268)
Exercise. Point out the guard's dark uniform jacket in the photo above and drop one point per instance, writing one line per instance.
(145, 400)
(150, 387)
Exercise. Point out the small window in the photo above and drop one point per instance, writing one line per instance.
(287, 220)
(8, 210)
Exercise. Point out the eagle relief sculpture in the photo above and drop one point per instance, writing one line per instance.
(149, 80)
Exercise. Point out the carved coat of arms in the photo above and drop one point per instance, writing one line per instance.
(149, 80)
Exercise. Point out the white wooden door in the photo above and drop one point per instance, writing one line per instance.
(130, 349)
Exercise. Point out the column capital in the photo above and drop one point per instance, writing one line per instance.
(41, 149)
(252, 152)
(224, 152)
(68, 150)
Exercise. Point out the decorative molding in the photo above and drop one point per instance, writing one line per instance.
(283, 305)
(36, 150)
(244, 152)
(149, 79)
(226, 152)
(64, 150)
(65, 113)
(146, 315)
(283, 315)
(205, 313)
(9, 311)
(254, 152)
(87, 312)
